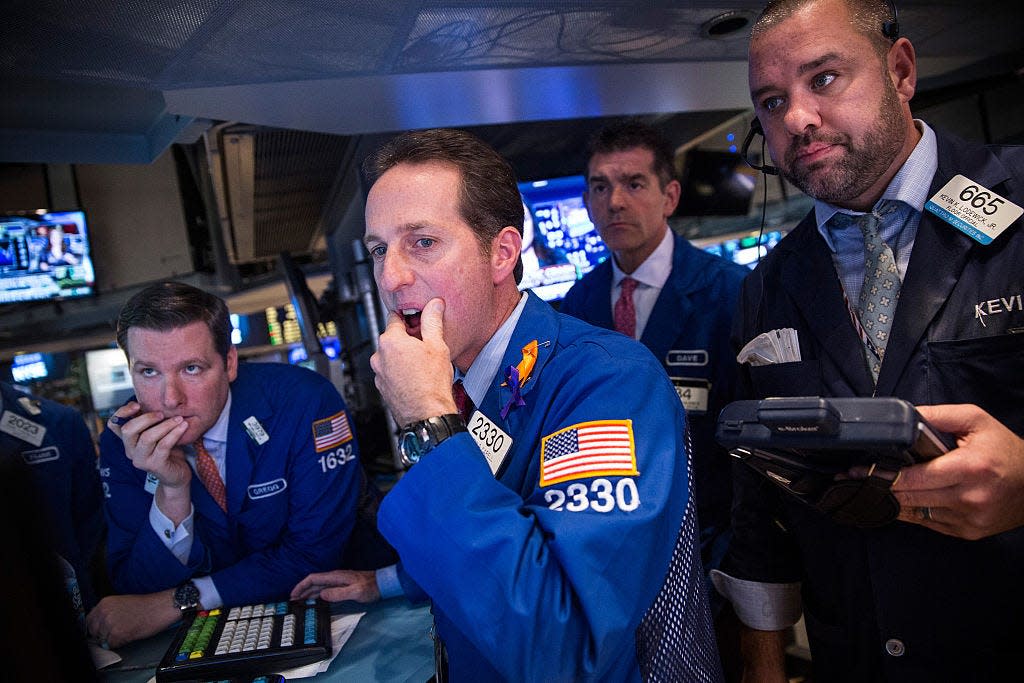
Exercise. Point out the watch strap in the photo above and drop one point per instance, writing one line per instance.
(428, 434)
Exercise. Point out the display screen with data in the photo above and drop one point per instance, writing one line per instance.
(44, 255)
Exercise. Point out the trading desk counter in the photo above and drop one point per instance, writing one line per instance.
(391, 643)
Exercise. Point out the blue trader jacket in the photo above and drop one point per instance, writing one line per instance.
(54, 441)
(688, 331)
(550, 579)
(900, 602)
(291, 505)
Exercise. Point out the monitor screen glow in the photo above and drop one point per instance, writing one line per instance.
(741, 248)
(560, 244)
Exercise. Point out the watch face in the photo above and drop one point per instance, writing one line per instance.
(186, 596)
(412, 447)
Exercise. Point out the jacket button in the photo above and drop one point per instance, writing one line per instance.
(895, 647)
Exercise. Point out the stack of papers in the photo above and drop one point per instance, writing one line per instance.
(777, 346)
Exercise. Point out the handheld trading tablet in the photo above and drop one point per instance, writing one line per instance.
(806, 445)
(252, 639)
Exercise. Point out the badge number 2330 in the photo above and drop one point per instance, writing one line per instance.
(600, 496)
(336, 458)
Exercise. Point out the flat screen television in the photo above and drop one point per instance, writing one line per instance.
(44, 255)
(560, 244)
(716, 184)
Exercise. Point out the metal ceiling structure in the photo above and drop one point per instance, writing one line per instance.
(117, 81)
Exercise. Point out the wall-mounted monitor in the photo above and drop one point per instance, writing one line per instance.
(44, 255)
(741, 248)
(716, 184)
(26, 368)
(560, 244)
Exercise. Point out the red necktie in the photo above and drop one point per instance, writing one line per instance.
(206, 468)
(625, 313)
(462, 400)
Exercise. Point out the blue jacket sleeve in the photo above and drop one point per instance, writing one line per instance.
(137, 560)
(87, 501)
(551, 582)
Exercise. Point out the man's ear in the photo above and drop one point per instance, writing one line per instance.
(672, 191)
(231, 363)
(902, 67)
(505, 249)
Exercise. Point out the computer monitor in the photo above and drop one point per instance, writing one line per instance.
(44, 255)
(110, 382)
(741, 247)
(560, 244)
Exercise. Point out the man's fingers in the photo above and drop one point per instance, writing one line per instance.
(123, 415)
(955, 419)
(432, 321)
(158, 439)
(395, 322)
(942, 472)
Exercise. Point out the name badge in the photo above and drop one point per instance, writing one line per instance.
(695, 357)
(41, 455)
(973, 209)
(22, 428)
(490, 438)
(267, 489)
(693, 393)
(255, 430)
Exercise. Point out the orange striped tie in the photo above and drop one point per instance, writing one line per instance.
(208, 474)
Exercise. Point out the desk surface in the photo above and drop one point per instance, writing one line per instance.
(391, 643)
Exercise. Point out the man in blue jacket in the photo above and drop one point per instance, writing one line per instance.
(226, 483)
(682, 299)
(936, 595)
(53, 439)
(552, 528)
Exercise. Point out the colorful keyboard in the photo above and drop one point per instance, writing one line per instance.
(253, 639)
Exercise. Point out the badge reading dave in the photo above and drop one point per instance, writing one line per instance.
(588, 449)
(331, 431)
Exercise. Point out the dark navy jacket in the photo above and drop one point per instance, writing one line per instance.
(688, 331)
(64, 468)
(290, 508)
(957, 337)
(533, 581)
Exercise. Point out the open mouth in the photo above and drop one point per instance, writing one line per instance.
(412, 321)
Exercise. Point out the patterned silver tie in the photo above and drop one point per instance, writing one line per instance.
(879, 293)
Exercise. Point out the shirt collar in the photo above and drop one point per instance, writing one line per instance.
(219, 431)
(654, 271)
(910, 185)
(477, 379)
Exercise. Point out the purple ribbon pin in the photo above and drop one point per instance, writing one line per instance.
(512, 379)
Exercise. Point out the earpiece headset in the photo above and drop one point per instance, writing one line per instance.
(890, 29)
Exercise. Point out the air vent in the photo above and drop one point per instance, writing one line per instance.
(273, 188)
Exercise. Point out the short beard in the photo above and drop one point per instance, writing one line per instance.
(860, 167)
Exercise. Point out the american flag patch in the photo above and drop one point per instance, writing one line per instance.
(588, 449)
(331, 431)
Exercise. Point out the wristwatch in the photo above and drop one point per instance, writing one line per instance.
(186, 596)
(419, 438)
